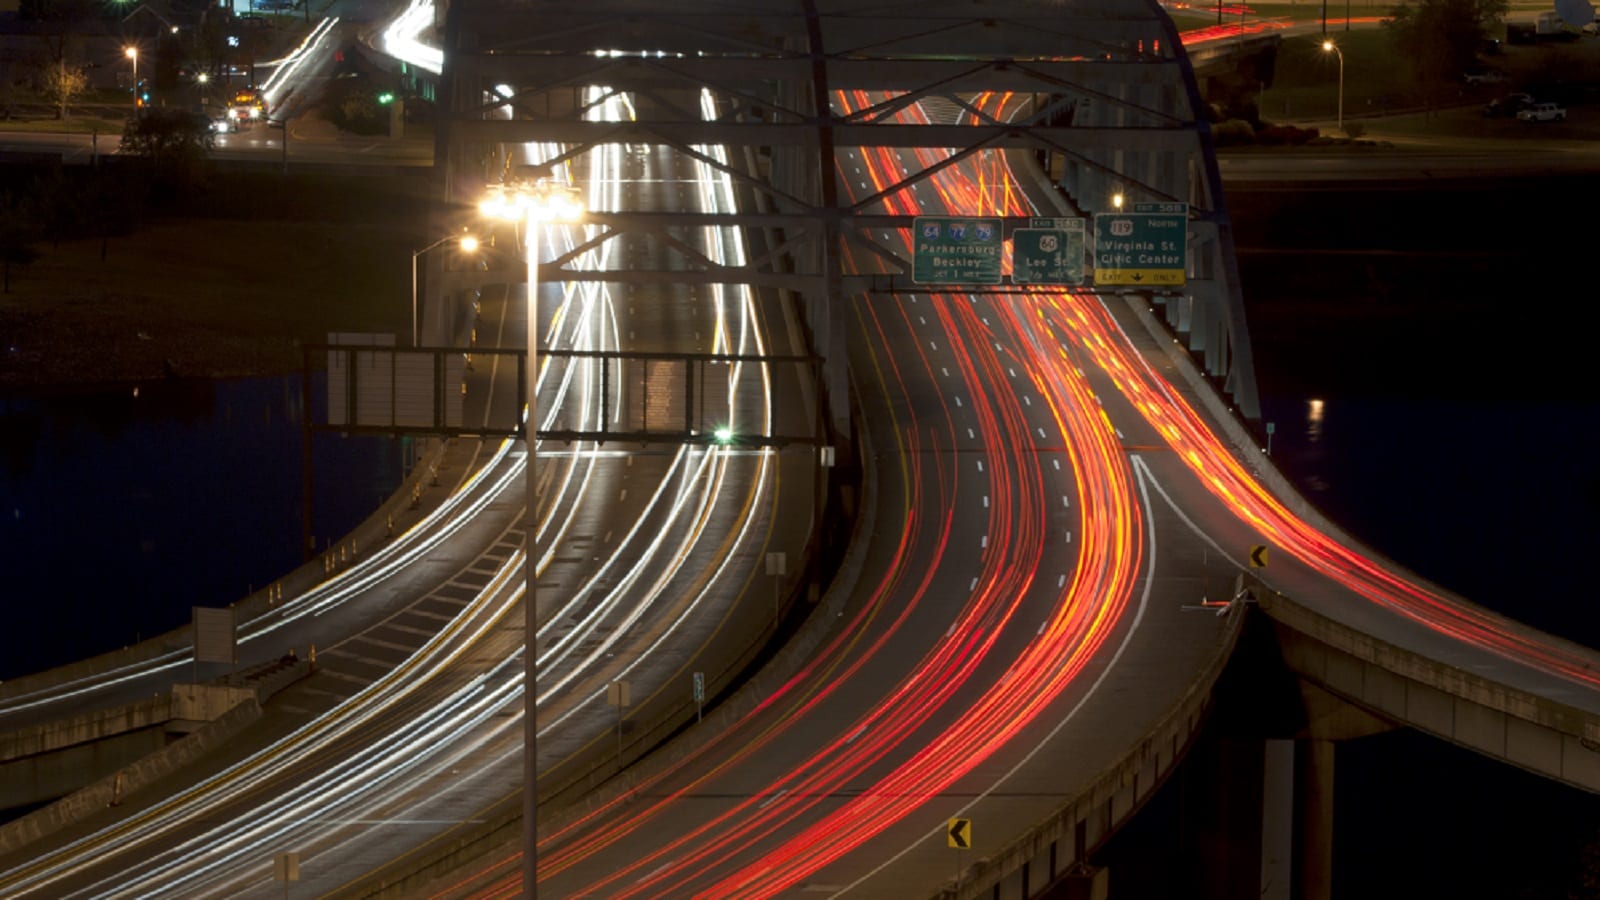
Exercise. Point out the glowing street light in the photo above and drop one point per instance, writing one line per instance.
(467, 244)
(133, 54)
(531, 203)
(1327, 46)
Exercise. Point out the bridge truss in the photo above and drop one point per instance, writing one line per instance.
(1103, 102)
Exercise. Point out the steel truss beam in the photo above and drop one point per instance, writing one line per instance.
(1110, 99)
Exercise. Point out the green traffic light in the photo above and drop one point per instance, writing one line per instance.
(386, 98)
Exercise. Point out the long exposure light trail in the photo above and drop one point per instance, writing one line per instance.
(469, 722)
(671, 868)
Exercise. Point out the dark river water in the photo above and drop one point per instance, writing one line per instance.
(121, 509)
(1424, 356)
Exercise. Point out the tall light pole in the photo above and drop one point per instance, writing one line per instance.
(133, 54)
(532, 203)
(1330, 45)
(466, 242)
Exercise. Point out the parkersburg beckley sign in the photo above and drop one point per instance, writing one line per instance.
(956, 250)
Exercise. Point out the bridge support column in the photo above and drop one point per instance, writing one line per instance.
(1085, 883)
(1315, 776)
(1277, 820)
(1222, 822)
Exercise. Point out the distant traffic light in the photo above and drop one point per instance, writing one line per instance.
(386, 98)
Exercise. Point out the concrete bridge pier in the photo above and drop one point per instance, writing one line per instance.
(1314, 781)
(1257, 790)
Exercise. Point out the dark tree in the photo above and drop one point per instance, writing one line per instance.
(18, 230)
(172, 144)
(1439, 39)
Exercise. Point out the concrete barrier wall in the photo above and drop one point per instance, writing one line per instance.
(122, 786)
(83, 729)
(1111, 798)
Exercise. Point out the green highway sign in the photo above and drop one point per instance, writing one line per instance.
(1048, 254)
(1142, 248)
(956, 250)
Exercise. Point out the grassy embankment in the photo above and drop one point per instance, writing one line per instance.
(263, 264)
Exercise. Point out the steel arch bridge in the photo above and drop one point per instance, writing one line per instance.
(1105, 104)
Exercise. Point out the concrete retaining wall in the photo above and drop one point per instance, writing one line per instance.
(122, 786)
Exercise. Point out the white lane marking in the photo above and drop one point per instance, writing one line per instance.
(1056, 463)
(958, 399)
(980, 465)
(1041, 432)
(945, 370)
(1065, 502)
(970, 434)
(1028, 401)
(1062, 581)
(973, 586)
(624, 495)
(986, 540)
(774, 798)
(985, 501)
(934, 346)
(920, 841)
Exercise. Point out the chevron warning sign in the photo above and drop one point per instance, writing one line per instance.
(1258, 556)
(960, 834)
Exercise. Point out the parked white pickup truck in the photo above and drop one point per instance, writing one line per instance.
(1543, 112)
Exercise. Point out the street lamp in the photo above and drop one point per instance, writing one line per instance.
(133, 54)
(466, 242)
(1330, 45)
(532, 203)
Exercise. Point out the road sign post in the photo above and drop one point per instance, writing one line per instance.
(1146, 247)
(956, 250)
(958, 835)
(619, 694)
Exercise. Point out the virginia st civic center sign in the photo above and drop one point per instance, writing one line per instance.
(1148, 246)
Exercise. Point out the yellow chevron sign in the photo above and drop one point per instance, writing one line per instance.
(959, 834)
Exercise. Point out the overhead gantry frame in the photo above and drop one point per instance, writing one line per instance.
(1107, 105)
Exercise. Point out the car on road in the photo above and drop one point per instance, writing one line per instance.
(1487, 76)
(1543, 112)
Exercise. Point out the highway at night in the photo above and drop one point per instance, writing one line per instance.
(640, 583)
(1051, 549)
